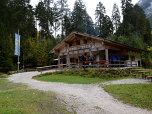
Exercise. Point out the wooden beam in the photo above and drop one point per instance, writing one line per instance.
(107, 47)
(57, 52)
(114, 48)
(106, 53)
(58, 61)
(66, 43)
(102, 43)
(101, 48)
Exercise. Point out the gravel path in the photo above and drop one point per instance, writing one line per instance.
(83, 98)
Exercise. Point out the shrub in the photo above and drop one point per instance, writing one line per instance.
(94, 72)
(102, 74)
(66, 72)
(72, 71)
(146, 60)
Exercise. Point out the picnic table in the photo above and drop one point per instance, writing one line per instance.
(136, 72)
(144, 73)
(150, 77)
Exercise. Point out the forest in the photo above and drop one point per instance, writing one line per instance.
(44, 26)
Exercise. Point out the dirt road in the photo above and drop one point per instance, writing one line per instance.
(83, 98)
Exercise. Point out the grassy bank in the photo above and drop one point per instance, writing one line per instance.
(70, 79)
(3, 75)
(18, 99)
(139, 95)
(79, 76)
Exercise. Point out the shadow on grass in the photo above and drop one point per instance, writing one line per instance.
(16, 98)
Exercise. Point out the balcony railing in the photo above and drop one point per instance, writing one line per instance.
(103, 63)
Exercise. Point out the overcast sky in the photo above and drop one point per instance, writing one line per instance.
(91, 5)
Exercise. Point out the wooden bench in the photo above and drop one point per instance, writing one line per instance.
(30, 69)
(60, 65)
(11, 72)
(39, 68)
(135, 75)
(150, 77)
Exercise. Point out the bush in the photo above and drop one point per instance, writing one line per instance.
(102, 74)
(92, 73)
(146, 60)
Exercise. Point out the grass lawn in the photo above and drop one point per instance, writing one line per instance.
(73, 79)
(3, 75)
(16, 98)
(139, 95)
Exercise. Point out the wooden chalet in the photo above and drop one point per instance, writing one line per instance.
(76, 44)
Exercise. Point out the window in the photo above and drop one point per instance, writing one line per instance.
(132, 58)
(72, 60)
(78, 42)
(85, 41)
(126, 57)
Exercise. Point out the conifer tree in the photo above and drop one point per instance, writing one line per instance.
(6, 51)
(78, 18)
(91, 26)
(64, 13)
(115, 18)
(126, 9)
(126, 26)
(99, 16)
(107, 27)
(66, 23)
(44, 13)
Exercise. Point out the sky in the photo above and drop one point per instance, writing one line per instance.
(92, 4)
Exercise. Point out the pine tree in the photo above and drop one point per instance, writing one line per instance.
(99, 16)
(64, 13)
(126, 8)
(56, 18)
(78, 18)
(66, 23)
(107, 27)
(115, 18)
(126, 26)
(6, 51)
(91, 26)
(21, 17)
(44, 13)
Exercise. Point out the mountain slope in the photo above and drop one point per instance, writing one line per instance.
(147, 7)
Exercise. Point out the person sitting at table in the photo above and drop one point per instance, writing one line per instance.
(113, 60)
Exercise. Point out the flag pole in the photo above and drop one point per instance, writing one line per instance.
(18, 50)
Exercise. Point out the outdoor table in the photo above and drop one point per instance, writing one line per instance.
(137, 71)
(150, 77)
(144, 71)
